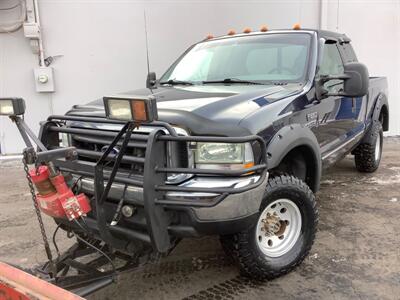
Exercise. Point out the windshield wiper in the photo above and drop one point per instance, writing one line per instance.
(232, 80)
(176, 82)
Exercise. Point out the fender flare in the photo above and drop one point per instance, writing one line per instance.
(290, 137)
(380, 101)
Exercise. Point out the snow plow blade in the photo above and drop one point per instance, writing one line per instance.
(16, 284)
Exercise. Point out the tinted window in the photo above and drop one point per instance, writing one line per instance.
(331, 63)
(347, 52)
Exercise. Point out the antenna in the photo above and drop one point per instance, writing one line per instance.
(147, 43)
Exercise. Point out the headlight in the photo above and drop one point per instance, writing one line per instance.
(64, 139)
(12, 106)
(224, 155)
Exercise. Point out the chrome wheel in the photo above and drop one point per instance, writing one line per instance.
(378, 147)
(278, 227)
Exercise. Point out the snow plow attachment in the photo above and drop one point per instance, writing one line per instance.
(16, 284)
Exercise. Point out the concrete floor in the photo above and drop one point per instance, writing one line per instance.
(356, 253)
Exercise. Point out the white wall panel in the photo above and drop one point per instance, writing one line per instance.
(374, 27)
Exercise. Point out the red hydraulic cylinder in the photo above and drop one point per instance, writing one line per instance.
(47, 197)
(55, 198)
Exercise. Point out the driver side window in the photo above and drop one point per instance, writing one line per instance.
(331, 64)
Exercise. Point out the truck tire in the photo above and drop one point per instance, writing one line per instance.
(367, 155)
(283, 234)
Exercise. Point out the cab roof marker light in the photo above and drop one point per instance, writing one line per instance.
(296, 26)
(231, 32)
(209, 36)
(247, 30)
(264, 28)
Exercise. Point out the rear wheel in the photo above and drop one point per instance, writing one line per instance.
(283, 234)
(367, 155)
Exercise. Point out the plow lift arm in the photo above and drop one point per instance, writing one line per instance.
(66, 271)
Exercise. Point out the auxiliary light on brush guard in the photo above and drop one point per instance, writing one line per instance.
(12, 106)
(54, 197)
(136, 109)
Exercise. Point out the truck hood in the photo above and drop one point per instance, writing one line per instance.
(205, 109)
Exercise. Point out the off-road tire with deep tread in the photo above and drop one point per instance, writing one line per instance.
(364, 154)
(243, 246)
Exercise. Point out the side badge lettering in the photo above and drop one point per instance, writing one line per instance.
(312, 119)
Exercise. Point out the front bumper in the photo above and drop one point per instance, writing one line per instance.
(213, 201)
(233, 206)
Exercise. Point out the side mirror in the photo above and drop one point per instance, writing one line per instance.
(356, 82)
(151, 80)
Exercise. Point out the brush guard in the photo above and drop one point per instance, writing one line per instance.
(90, 276)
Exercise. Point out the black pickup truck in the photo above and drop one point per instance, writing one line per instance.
(241, 129)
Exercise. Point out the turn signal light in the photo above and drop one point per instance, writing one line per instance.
(249, 165)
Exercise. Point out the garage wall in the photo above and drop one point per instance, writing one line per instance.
(374, 27)
(100, 45)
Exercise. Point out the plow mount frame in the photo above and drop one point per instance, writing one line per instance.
(90, 275)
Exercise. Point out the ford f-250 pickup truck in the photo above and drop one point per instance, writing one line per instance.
(230, 141)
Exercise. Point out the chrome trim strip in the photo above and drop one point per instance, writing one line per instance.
(136, 193)
(213, 183)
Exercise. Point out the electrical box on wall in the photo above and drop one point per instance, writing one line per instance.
(44, 79)
(32, 30)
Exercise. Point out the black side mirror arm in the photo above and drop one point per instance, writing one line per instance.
(321, 91)
(151, 80)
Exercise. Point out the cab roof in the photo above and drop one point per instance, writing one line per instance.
(331, 35)
(326, 34)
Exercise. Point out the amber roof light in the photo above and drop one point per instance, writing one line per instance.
(231, 32)
(296, 26)
(209, 36)
(247, 30)
(264, 28)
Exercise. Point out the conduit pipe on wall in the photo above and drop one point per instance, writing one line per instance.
(41, 50)
(32, 30)
(30, 18)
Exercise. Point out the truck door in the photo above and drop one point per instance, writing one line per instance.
(335, 114)
(359, 104)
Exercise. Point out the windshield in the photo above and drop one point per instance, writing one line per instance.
(261, 58)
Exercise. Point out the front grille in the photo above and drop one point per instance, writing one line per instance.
(91, 146)
(91, 140)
